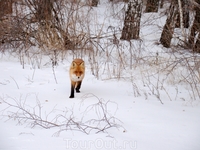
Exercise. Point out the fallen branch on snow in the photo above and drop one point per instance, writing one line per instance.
(100, 120)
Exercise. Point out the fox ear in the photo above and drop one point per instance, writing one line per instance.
(82, 64)
(73, 64)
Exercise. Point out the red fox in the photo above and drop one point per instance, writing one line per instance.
(77, 73)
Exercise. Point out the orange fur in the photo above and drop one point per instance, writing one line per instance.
(77, 73)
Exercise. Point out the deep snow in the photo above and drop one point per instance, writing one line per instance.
(145, 123)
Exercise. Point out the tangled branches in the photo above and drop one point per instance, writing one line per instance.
(94, 118)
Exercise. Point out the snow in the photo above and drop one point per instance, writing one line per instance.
(143, 122)
(147, 124)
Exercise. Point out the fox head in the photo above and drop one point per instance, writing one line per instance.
(77, 70)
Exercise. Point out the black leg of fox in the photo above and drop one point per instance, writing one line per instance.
(72, 89)
(78, 86)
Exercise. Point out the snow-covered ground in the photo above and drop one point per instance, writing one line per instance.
(146, 124)
(138, 119)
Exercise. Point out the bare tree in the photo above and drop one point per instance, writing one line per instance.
(132, 20)
(161, 3)
(168, 29)
(126, 1)
(5, 7)
(194, 39)
(48, 15)
(5, 26)
(185, 13)
(43, 25)
(95, 3)
(152, 6)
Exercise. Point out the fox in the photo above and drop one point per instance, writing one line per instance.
(76, 73)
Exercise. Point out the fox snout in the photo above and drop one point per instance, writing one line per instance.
(75, 77)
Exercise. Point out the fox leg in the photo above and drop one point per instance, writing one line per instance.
(78, 86)
(72, 89)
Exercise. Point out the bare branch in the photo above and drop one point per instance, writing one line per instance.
(63, 120)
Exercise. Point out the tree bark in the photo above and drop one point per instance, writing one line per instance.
(95, 3)
(168, 29)
(152, 6)
(186, 19)
(44, 10)
(5, 7)
(194, 39)
(131, 27)
(161, 3)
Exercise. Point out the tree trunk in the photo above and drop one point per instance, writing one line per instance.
(44, 10)
(186, 19)
(152, 6)
(197, 45)
(168, 29)
(95, 3)
(131, 27)
(194, 39)
(5, 7)
(161, 3)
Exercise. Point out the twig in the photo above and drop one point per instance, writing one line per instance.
(53, 69)
(15, 82)
(64, 120)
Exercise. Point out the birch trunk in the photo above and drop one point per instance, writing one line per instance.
(131, 27)
(194, 39)
(168, 29)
